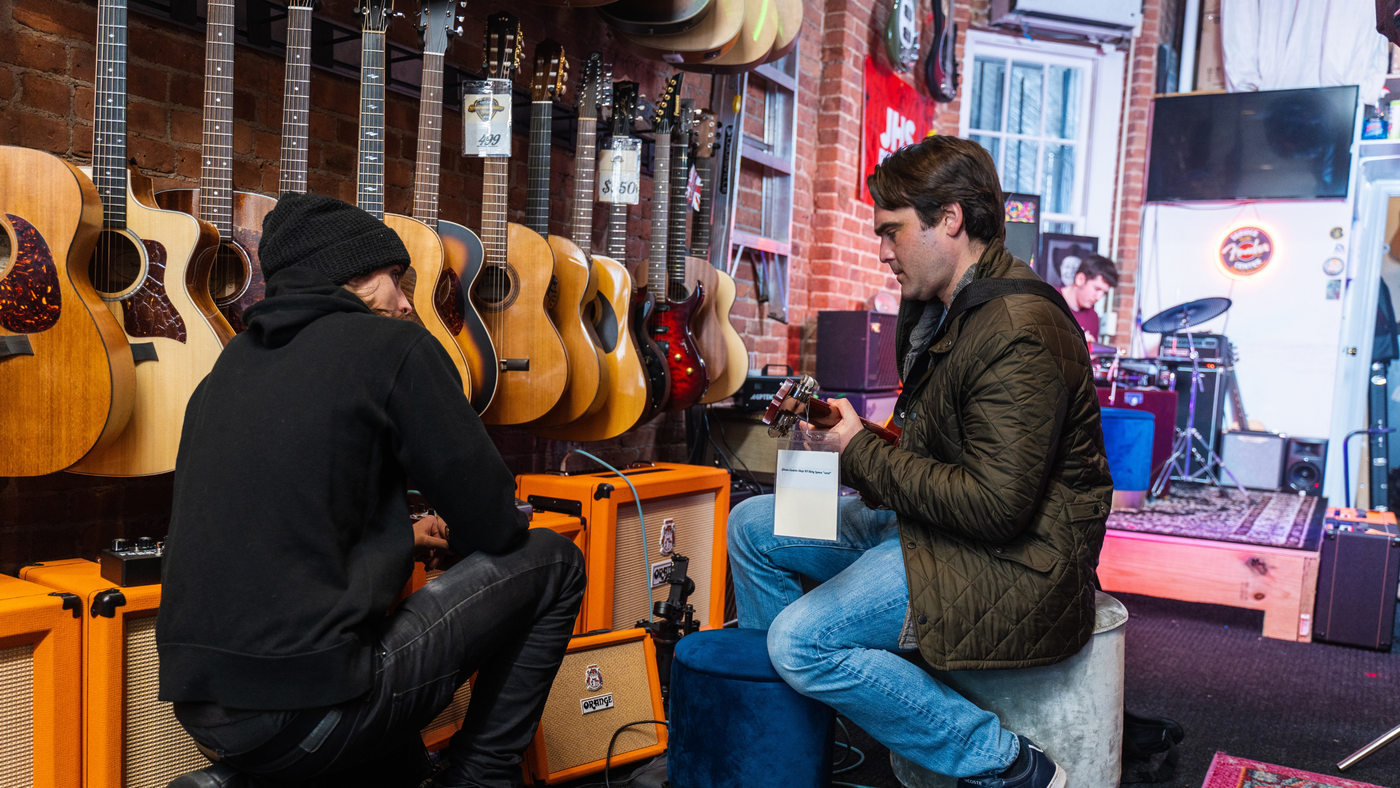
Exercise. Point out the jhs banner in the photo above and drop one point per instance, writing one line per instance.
(895, 115)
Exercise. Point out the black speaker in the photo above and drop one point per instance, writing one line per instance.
(1210, 401)
(1303, 467)
(855, 351)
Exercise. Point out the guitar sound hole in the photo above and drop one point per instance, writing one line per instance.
(7, 249)
(496, 287)
(228, 277)
(604, 323)
(117, 265)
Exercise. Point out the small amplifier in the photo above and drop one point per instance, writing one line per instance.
(757, 391)
(1347, 519)
(41, 689)
(1255, 458)
(873, 406)
(1357, 574)
(127, 564)
(855, 351)
(1302, 470)
(1212, 347)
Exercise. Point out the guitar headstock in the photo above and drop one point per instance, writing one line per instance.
(437, 24)
(593, 94)
(302, 4)
(502, 49)
(374, 15)
(705, 127)
(687, 118)
(789, 405)
(551, 71)
(624, 108)
(668, 108)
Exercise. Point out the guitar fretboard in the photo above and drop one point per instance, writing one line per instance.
(370, 181)
(617, 233)
(216, 169)
(296, 99)
(109, 116)
(660, 213)
(537, 188)
(700, 234)
(679, 213)
(426, 172)
(495, 177)
(585, 168)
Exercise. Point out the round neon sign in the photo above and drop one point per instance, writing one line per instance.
(1246, 251)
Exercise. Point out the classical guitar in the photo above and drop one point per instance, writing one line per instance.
(575, 284)
(515, 280)
(235, 277)
(708, 339)
(151, 266)
(735, 368)
(627, 397)
(624, 111)
(462, 250)
(67, 379)
(424, 247)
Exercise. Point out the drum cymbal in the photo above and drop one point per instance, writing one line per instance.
(1191, 313)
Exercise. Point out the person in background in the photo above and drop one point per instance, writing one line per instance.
(1096, 276)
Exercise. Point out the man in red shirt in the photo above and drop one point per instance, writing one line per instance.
(1094, 278)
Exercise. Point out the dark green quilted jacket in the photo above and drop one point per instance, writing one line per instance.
(1000, 482)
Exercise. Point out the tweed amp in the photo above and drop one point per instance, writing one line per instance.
(41, 688)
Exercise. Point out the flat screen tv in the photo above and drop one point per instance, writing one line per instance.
(1269, 145)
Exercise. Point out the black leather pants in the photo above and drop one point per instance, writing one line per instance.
(506, 618)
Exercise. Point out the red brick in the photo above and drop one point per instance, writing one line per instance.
(187, 91)
(82, 141)
(147, 118)
(188, 165)
(267, 146)
(247, 176)
(46, 95)
(180, 52)
(242, 139)
(70, 20)
(187, 127)
(7, 86)
(153, 84)
(40, 132)
(151, 154)
(33, 51)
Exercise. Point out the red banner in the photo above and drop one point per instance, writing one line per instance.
(895, 115)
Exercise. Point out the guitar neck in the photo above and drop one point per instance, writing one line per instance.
(680, 211)
(660, 212)
(109, 117)
(429, 162)
(537, 190)
(216, 171)
(700, 234)
(617, 232)
(369, 185)
(585, 169)
(494, 229)
(296, 100)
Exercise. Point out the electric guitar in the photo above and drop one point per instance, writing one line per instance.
(610, 311)
(514, 283)
(735, 355)
(151, 266)
(424, 247)
(902, 36)
(941, 65)
(672, 324)
(66, 374)
(575, 284)
(697, 268)
(462, 250)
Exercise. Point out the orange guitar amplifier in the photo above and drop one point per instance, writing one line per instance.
(605, 682)
(130, 739)
(685, 508)
(41, 690)
(449, 720)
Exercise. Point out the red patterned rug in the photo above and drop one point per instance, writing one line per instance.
(1227, 771)
(1199, 511)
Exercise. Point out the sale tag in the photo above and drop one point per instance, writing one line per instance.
(486, 117)
(620, 172)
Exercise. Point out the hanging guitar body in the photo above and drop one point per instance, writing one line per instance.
(941, 65)
(462, 257)
(425, 253)
(575, 286)
(66, 375)
(672, 327)
(709, 340)
(736, 354)
(235, 273)
(658, 371)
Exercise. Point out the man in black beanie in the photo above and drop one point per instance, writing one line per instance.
(290, 539)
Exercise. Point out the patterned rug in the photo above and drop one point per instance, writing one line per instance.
(1227, 771)
(1200, 511)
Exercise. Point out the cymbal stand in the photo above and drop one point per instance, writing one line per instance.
(1184, 447)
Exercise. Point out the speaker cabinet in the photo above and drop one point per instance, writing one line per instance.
(130, 739)
(41, 647)
(1255, 458)
(855, 351)
(1302, 471)
(605, 682)
(684, 506)
(1210, 401)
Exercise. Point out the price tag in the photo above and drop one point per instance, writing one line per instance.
(620, 172)
(486, 117)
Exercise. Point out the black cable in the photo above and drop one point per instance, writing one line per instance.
(607, 761)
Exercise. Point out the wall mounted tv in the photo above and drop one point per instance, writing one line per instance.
(1269, 145)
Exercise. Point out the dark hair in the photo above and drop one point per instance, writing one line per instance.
(939, 171)
(1096, 265)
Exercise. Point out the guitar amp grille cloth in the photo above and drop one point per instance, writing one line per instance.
(17, 716)
(157, 748)
(457, 709)
(572, 738)
(694, 519)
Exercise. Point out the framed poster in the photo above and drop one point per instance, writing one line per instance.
(895, 115)
(1060, 255)
(1023, 226)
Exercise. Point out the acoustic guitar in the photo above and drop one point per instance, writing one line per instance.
(514, 282)
(752, 46)
(151, 266)
(789, 19)
(672, 323)
(575, 284)
(708, 340)
(424, 247)
(67, 380)
(735, 355)
(627, 397)
(656, 17)
(463, 253)
(715, 32)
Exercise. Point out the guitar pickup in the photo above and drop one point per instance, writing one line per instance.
(515, 365)
(15, 345)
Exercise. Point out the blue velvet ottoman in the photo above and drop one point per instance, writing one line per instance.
(1127, 439)
(735, 722)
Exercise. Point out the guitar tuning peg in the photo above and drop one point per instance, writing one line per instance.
(398, 15)
(461, 19)
(459, 30)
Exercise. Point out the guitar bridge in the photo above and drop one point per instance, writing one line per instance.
(515, 365)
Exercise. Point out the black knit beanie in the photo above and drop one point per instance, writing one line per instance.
(326, 235)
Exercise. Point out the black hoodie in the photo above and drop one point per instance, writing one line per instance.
(290, 536)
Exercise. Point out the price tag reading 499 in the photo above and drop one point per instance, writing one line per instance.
(486, 118)
(620, 172)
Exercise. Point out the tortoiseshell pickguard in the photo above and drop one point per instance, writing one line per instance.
(452, 306)
(148, 311)
(30, 298)
(257, 286)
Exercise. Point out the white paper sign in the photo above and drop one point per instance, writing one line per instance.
(805, 494)
(620, 172)
(486, 117)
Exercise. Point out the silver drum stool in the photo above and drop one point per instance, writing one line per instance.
(1073, 709)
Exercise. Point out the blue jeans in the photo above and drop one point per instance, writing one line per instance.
(835, 643)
